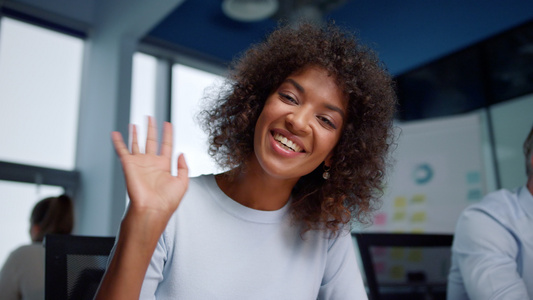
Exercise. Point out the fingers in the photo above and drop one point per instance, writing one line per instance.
(118, 142)
(134, 142)
(183, 169)
(151, 140)
(166, 144)
(151, 137)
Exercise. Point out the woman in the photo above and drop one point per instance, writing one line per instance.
(304, 126)
(22, 276)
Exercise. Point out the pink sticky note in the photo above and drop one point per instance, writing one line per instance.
(380, 219)
(379, 267)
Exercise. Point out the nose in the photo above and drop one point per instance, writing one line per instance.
(298, 121)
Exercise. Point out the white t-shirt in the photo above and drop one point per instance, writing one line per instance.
(215, 248)
(22, 276)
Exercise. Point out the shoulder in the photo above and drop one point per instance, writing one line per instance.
(493, 224)
(200, 188)
(333, 239)
(500, 205)
(201, 184)
(31, 249)
(25, 254)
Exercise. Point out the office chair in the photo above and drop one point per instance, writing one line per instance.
(74, 265)
(405, 266)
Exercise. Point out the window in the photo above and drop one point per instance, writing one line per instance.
(40, 76)
(143, 92)
(17, 202)
(188, 87)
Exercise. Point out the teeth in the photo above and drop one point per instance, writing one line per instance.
(287, 143)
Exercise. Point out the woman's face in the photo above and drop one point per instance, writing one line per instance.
(300, 124)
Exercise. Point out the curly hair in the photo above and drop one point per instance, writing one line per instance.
(360, 157)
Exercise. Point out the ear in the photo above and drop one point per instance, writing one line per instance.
(327, 161)
(35, 230)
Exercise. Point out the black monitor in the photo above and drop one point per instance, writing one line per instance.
(74, 265)
(405, 266)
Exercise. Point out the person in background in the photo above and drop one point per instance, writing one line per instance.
(492, 252)
(22, 276)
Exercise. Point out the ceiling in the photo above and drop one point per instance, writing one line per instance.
(406, 34)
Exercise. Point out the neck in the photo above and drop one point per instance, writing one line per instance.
(255, 189)
(529, 184)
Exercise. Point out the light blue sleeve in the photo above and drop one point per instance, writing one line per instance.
(342, 278)
(154, 273)
(486, 253)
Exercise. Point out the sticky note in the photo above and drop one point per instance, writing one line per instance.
(399, 216)
(418, 217)
(400, 202)
(414, 255)
(473, 177)
(418, 199)
(397, 253)
(397, 272)
(380, 219)
(474, 195)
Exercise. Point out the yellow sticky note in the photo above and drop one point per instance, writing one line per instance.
(400, 202)
(418, 217)
(418, 198)
(399, 216)
(397, 253)
(414, 255)
(397, 272)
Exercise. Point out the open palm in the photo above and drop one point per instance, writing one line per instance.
(149, 181)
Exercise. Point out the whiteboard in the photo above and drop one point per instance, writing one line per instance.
(438, 171)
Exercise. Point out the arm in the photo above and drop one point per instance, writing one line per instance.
(155, 194)
(342, 278)
(486, 253)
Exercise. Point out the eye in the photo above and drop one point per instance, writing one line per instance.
(287, 98)
(327, 122)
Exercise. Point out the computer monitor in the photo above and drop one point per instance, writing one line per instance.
(405, 266)
(74, 265)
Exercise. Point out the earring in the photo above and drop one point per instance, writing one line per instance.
(326, 174)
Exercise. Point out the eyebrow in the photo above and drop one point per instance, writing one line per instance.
(296, 85)
(337, 109)
(328, 106)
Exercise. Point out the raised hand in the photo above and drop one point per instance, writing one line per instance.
(150, 184)
(155, 194)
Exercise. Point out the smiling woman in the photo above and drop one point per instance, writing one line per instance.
(358, 160)
(304, 127)
(298, 114)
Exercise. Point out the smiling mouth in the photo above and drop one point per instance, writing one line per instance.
(286, 143)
